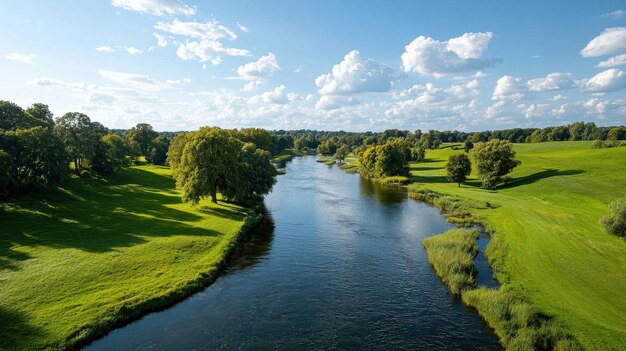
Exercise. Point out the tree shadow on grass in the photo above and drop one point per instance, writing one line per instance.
(102, 215)
(14, 328)
(535, 177)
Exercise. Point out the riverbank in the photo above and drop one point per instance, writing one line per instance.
(99, 253)
(547, 246)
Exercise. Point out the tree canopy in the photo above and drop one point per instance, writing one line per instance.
(458, 168)
(494, 159)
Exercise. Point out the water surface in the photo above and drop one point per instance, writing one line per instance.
(343, 268)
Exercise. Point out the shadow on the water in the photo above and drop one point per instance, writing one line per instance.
(255, 247)
(384, 193)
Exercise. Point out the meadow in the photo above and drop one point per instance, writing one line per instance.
(97, 253)
(548, 246)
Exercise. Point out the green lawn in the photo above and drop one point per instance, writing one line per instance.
(72, 262)
(551, 248)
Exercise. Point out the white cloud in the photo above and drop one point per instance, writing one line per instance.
(106, 49)
(30, 59)
(534, 110)
(156, 7)
(243, 28)
(509, 88)
(211, 30)
(431, 57)
(51, 82)
(265, 66)
(276, 96)
(614, 14)
(207, 50)
(610, 80)
(333, 102)
(132, 50)
(252, 85)
(138, 81)
(553, 81)
(161, 41)
(557, 98)
(355, 75)
(609, 41)
(615, 61)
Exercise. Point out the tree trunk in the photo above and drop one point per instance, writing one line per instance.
(459, 185)
(213, 196)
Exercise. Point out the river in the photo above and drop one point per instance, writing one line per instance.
(339, 264)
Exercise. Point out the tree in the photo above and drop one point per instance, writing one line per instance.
(110, 154)
(41, 115)
(615, 221)
(383, 161)
(418, 153)
(341, 153)
(140, 138)
(12, 116)
(261, 138)
(257, 174)
(5, 177)
(301, 143)
(617, 133)
(80, 136)
(208, 165)
(158, 151)
(458, 168)
(175, 150)
(494, 159)
(468, 145)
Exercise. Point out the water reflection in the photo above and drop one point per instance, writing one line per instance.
(385, 194)
(256, 245)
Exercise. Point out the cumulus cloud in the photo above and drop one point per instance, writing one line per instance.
(30, 59)
(207, 50)
(553, 81)
(264, 67)
(161, 41)
(431, 57)
(610, 80)
(615, 61)
(534, 110)
(611, 40)
(156, 7)
(132, 50)
(106, 49)
(276, 96)
(509, 88)
(333, 102)
(355, 75)
(252, 85)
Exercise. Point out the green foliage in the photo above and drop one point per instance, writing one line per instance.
(110, 154)
(12, 116)
(341, 153)
(383, 161)
(468, 145)
(614, 222)
(418, 153)
(617, 133)
(261, 138)
(208, 165)
(458, 168)
(494, 159)
(5, 176)
(175, 150)
(41, 115)
(601, 144)
(80, 136)
(327, 147)
(140, 138)
(257, 175)
(452, 255)
(158, 151)
(517, 323)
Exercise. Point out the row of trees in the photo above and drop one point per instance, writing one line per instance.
(494, 160)
(230, 162)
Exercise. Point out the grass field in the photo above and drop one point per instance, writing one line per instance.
(77, 261)
(549, 247)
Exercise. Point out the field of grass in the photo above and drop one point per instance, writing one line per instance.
(548, 246)
(76, 261)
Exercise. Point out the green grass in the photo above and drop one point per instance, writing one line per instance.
(452, 256)
(328, 161)
(549, 247)
(77, 261)
(392, 181)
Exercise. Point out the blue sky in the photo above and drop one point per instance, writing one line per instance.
(351, 65)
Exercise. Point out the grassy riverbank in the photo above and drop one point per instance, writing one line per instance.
(549, 248)
(77, 261)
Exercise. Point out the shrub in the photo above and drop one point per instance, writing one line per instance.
(614, 222)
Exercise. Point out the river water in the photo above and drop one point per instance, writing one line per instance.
(338, 265)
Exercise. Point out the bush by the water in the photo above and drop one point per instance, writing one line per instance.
(519, 326)
(614, 222)
(452, 255)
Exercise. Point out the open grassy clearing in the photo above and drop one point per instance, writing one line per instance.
(549, 247)
(78, 260)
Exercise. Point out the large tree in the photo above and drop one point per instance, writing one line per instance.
(158, 151)
(12, 116)
(494, 159)
(110, 154)
(208, 165)
(341, 153)
(383, 161)
(458, 168)
(80, 136)
(40, 114)
(257, 174)
(141, 138)
(261, 138)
